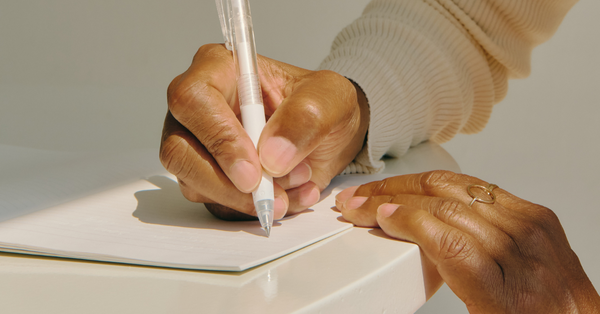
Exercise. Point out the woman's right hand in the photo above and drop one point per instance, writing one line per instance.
(317, 122)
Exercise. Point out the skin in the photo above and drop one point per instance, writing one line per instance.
(316, 124)
(508, 257)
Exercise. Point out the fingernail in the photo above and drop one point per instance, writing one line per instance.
(310, 197)
(386, 210)
(280, 208)
(300, 175)
(276, 154)
(244, 175)
(346, 194)
(356, 202)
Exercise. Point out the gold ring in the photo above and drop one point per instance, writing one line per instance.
(489, 190)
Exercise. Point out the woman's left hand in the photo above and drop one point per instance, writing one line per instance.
(509, 256)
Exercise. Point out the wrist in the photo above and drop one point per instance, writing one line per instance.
(365, 115)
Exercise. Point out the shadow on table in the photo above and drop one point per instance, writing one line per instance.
(168, 207)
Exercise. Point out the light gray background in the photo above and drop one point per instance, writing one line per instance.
(92, 75)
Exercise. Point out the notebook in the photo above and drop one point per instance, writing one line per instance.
(124, 208)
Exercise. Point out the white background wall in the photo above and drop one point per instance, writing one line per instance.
(81, 74)
(92, 75)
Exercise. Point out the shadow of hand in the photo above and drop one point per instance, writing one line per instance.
(167, 206)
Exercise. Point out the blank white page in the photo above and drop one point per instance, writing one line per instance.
(149, 222)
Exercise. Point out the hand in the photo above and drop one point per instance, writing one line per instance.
(316, 125)
(508, 257)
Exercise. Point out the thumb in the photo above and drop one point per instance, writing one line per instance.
(318, 105)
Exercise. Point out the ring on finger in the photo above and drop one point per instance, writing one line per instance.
(489, 190)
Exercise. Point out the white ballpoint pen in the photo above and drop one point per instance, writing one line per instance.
(236, 24)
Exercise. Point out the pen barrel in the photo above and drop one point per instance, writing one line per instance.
(244, 47)
(253, 119)
(250, 98)
(248, 82)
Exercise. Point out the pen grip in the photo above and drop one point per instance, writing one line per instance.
(251, 105)
(249, 91)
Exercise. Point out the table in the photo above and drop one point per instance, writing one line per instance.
(357, 271)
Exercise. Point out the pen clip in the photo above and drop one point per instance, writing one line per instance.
(224, 19)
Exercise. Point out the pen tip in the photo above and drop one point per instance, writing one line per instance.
(268, 231)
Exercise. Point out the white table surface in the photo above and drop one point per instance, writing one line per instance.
(358, 271)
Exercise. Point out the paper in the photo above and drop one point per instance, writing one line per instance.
(149, 222)
(35, 179)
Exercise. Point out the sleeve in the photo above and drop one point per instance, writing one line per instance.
(433, 68)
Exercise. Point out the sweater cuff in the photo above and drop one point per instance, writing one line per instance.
(366, 73)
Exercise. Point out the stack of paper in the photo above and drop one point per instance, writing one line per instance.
(145, 221)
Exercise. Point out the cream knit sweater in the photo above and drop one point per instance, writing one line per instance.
(433, 68)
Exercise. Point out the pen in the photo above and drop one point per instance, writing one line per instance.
(236, 24)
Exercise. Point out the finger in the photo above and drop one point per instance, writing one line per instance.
(440, 184)
(434, 183)
(459, 258)
(191, 194)
(303, 197)
(362, 211)
(226, 213)
(203, 101)
(300, 175)
(313, 109)
(199, 176)
(281, 202)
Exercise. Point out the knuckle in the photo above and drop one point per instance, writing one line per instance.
(342, 88)
(191, 196)
(545, 217)
(381, 187)
(172, 89)
(328, 74)
(438, 179)
(175, 95)
(341, 83)
(447, 209)
(218, 138)
(181, 94)
(173, 156)
(331, 76)
(185, 88)
(189, 193)
(542, 220)
(208, 50)
(170, 149)
(454, 246)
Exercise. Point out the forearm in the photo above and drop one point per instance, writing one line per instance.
(431, 69)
